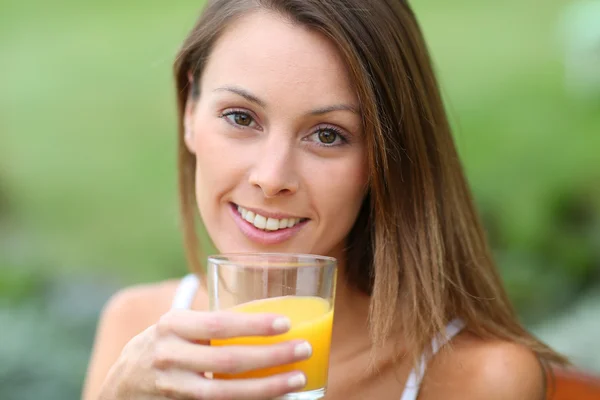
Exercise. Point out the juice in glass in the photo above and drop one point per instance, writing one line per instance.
(311, 320)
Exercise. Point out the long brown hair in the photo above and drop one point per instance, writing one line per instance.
(418, 246)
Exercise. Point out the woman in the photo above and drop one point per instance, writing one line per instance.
(322, 120)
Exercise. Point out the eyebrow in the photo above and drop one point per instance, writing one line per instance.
(337, 107)
(254, 99)
(244, 93)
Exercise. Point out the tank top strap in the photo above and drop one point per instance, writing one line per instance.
(413, 383)
(185, 293)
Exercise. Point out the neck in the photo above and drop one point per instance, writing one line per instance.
(351, 341)
(351, 316)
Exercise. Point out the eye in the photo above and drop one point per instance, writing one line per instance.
(239, 118)
(328, 137)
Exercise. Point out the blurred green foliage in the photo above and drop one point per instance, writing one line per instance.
(87, 151)
(89, 137)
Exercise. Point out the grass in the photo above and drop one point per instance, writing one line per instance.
(88, 124)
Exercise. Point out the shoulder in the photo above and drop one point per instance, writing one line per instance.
(139, 305)
(473, 368)
(126, 314)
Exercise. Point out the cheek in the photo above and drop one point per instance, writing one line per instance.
(214, 174)
(340, 193)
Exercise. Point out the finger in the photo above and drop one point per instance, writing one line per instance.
(185, 385)
(178, 353)
(194, 325)
(177, 384)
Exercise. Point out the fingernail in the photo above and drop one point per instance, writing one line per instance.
(303, 350)
(282, 324)
(297, 381)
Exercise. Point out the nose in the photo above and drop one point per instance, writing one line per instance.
(273, 171)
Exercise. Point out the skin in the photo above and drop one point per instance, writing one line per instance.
(276, 161)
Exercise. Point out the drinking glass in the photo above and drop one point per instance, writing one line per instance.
(299, 286)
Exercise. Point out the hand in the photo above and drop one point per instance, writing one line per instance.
(168, 360)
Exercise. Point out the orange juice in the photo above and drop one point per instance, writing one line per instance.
(312, 320)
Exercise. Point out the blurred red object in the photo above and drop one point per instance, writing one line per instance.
(572, 384)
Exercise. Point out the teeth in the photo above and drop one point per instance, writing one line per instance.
(249, 216)
(260, 222)
(269, 224)
(272, 224)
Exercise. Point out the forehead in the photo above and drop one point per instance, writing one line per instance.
(265, 52)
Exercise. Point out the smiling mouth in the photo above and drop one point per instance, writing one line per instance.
(267, 223)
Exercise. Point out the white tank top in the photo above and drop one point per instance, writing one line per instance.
(188, 287)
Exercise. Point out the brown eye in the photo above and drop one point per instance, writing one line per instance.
(327, 136)
(242, 119)
(239, 119)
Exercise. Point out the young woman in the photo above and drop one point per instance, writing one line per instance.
(324, 119)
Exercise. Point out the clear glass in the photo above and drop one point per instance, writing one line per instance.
(299, 286)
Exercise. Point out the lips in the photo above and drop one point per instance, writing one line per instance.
(267, 223)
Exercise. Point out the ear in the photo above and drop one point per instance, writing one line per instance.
(188, 125)
(188, 117)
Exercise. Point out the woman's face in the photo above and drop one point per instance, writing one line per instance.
(281, 157)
